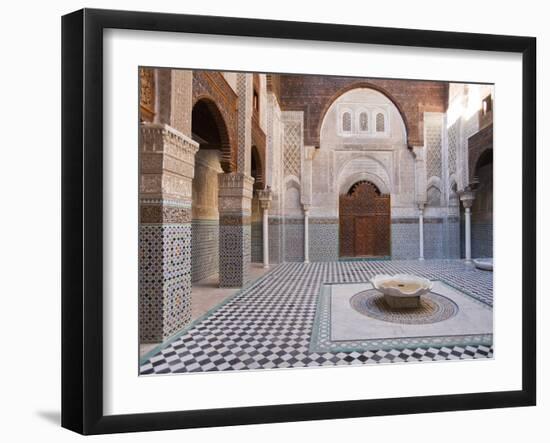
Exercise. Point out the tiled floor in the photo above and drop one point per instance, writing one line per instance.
(206, 294)
(269, 324)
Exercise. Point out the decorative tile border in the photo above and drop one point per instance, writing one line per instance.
(321, 333)
(158, 213)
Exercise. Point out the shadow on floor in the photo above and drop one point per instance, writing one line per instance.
(53, 417)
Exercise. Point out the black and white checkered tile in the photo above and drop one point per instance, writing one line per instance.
(269, 324)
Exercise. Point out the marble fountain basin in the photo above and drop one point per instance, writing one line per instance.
(402, 290)
(484, 263)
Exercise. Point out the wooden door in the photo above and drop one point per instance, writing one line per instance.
(364, 222)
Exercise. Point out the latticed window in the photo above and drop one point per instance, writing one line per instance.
(363, 122)
(346, 122)
(380, 123)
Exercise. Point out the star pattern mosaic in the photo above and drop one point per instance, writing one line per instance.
(269, 323)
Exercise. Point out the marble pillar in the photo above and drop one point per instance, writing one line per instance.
(264, 195)
(306, 233)
(421, 231)
(467, 198)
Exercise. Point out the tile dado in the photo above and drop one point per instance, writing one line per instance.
(482, 239)
(235, 258)
(164, 280)
(323, 241)
(257, 242)
(205, 249)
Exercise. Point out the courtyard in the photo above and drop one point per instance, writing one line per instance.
(271, 322)
(269, 202)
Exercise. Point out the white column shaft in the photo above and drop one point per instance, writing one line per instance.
(468, 234)
(421, 234)
(306, 237)
(265, 226)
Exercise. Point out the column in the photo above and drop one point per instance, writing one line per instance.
(306, 233)
(421, 230)
(235, 206)
(264, 195)
(467, 198)
(306, 193)
(166, 174)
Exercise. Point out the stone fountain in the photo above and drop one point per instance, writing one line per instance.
(401, 290)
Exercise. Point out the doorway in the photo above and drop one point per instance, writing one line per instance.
(364, 219)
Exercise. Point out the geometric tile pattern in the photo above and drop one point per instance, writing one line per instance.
(323, 241)
(164, 280)
(205, 247)
(451, 239)
(269, 324)
(322, 337)
(405, 239)
(234, 254)
(432, 308)
(256, 233)
(433, 240)
(294, 239)
(482, 239)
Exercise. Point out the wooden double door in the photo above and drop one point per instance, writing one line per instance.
(364, 222)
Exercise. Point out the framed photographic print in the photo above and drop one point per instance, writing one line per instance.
(271, 221)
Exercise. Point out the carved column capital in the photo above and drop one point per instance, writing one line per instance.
(235, 193)
(419, 153)
(167, 164)
(467, 197)
(309, 152)
(265, 196)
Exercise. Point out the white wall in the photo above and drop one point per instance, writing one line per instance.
(30, 246)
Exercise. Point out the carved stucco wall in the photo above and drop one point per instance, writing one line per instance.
(344, 159)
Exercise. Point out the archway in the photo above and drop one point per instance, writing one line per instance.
(364, 221)
(365, 86)
(256, 246)
(209, 130)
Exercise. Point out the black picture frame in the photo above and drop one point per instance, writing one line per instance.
(82, 218)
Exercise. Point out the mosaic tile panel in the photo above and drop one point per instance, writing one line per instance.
(294, 240)
(451, 241)
(405, 239)
(433, 240)
(323, 241)
(433, 308)
(164, 280)
(256, 248)
(482, 240)
(269, 324)
(275, 241)
(205, 248)
(234, 255)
